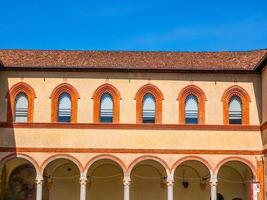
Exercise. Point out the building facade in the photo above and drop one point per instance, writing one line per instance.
(97, 125)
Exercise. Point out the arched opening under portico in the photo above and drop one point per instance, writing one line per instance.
(234, 180)
(148, 181)
(18, 180)
(191, 181)
(61, 180)
(104, 181)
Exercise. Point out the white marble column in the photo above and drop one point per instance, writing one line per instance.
(83, 182)
(213, 186)
(126, 183)
(39, 186)
(170, 183)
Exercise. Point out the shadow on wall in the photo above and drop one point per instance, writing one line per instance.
(258, 96)
(7, 137)
(11, 177)
(18, 184)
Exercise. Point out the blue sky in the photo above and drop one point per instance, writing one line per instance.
(165, 25)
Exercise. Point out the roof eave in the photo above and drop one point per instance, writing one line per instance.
(126, 69)
(261, 64)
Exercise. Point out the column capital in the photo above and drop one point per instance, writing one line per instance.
(259, 157)
(213, 180)
(213, 183)
(83, 179)
(127, 180)
(39, 179)
(170, 180)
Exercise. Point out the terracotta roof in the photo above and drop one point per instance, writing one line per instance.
(131, 60)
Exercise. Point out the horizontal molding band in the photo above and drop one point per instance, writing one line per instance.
(170, 127)
(131, 151)
(264, 151)
(264, 126)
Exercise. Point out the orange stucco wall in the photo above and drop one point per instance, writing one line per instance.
(128, 84)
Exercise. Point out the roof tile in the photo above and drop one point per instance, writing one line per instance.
(247, 60)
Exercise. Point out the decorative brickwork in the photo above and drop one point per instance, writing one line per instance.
(201, 97)
(15, 90)
(245, 100)
(64, 87)
(114, 92)
(155, 91)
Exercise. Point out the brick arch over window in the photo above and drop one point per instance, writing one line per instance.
(245, 100)
(114, 92)
(69, 89)
(16, 89)
(155, 91)
(201, 97)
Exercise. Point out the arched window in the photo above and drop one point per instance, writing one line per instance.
(149, 108)
(236, 101)
(235, 110)
(64, 103)
(149, 104)
(192, 105)
(106, 104)
(64, 108)
(191, 110)
(106, 108)
(20, 104)
(21, 108)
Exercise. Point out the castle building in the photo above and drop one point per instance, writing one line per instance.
(132, 125)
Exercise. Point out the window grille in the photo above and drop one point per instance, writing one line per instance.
(21, 108)
(64, 108)
(106, 108)
(191, 110)
(235, 110)
(149, 108)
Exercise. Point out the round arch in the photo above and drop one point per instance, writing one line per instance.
(191, 175)
(191, 158)
(148, 175)
(156, 92)
(239, 159)
(61, 156)
(105, 172)
(21, 156)
(235, 175)
(114, 92)
(61, 174)
(74, 95)
(105, 157)
(19, 173)
(201, 97)
(20, 87)
(245, 98)
(144, 158)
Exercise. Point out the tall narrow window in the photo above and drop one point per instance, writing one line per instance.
(106, 108)
(20, 103)
(191, 110)
(21, 108)
(149, 108)
(235, 110)
(192, 105)
(64, 108)
(106, 104)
